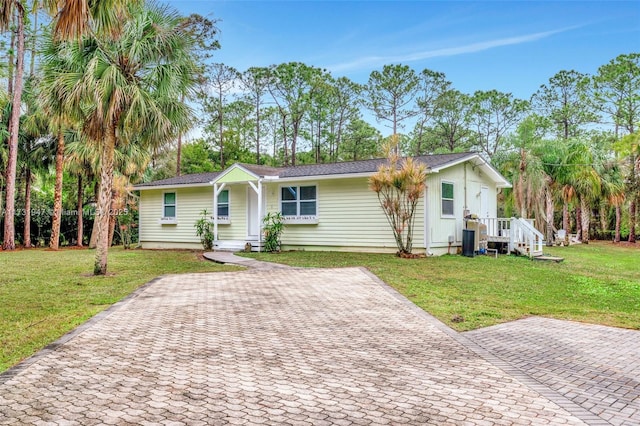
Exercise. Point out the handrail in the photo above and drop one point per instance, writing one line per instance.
(523, 231)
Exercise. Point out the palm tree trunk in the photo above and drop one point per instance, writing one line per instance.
(57, 197)
(604, 215)
(27, 209)
(565, 218)
(221, 127)
(578, 223)
(585, 212)
(618, 215)
(258, 131)
(80, 210)
(104, 200)
(632, 221)
(14, 124)
(549, 210)
(11, 63)
(112, 222)
(94, 229)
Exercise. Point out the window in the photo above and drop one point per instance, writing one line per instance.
(169, 205)
(223, 203)
(298, 201)
(446, 193)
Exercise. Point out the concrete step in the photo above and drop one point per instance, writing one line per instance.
(235, 245)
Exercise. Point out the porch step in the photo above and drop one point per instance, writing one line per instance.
(236, 245)
(523, 250)
(547, 258)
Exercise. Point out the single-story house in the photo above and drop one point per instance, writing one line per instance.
(325, 206)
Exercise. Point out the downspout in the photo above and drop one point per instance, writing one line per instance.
(427, 235)
(465, 207)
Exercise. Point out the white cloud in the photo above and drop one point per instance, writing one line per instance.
(372, 61)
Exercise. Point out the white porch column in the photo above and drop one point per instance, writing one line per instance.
(215, 212)
(258, 190)
(259, 214)
(217, 189)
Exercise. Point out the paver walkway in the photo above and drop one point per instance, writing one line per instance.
(595, 366)
(229, 258)
(281, 347)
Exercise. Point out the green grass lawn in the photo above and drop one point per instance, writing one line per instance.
(597, 283)
(44, 294)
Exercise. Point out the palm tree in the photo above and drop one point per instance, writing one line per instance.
(126, 87)
(585, 180)
(613, 193)
(526, 170)
(5, 104)
(9, 8)
(34, 147)
(61, 120)
(551, 153)
(74, 17)
(81, 160)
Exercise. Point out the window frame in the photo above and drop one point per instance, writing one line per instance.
(169, 220)
(224, 219)
(443, 199)
(299, 218)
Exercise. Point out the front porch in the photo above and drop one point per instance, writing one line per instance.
(518, 235)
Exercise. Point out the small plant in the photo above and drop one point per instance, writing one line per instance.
(273, 225)
(204, 230)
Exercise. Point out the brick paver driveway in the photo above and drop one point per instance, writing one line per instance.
(595, 366)
(287, 346)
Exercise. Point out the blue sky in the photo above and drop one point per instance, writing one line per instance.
(511, 46)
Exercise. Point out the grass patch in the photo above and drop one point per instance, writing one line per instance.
(597, 283)
(45, 294)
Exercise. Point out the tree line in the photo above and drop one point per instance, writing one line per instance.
(570, 150)
(107, 98)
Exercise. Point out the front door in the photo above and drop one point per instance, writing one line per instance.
(484, 201)
(253, 224)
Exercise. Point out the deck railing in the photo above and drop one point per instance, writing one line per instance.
(497, 226)
(524, 235)
(517, 232)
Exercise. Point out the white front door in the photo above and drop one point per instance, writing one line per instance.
(253, 224)
(484, 201)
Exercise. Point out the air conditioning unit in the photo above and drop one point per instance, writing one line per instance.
(480, 240)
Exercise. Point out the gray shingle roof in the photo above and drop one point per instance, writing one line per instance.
(363, 166)
(344, 168)
(191, 179)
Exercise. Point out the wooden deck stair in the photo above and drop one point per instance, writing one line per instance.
(521, 237)
(523, 249)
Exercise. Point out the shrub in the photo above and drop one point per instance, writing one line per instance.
(273, 226)
(204, 230)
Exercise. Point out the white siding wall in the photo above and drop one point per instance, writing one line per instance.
(440, 228)
(189, 203)
(237, 230)
(349, 215)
